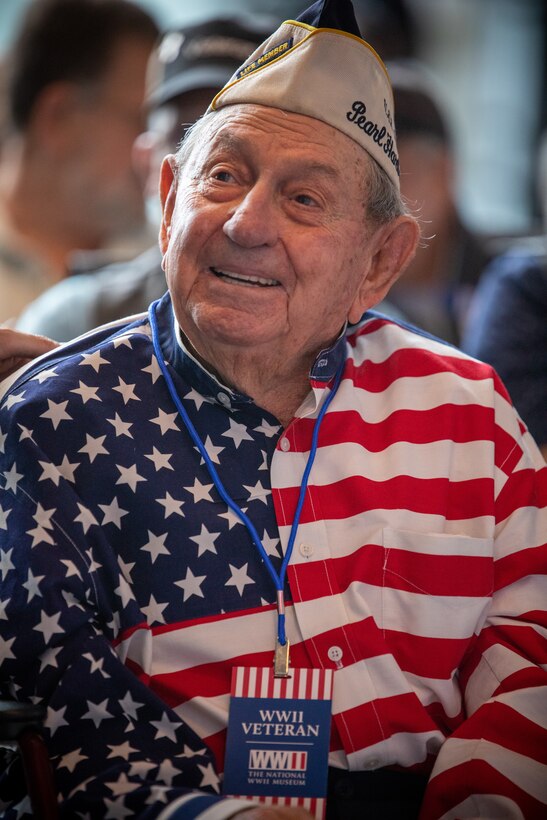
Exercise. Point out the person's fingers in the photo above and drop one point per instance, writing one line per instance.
(17, 345)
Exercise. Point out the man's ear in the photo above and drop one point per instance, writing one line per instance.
(393, 246)
(168, 194)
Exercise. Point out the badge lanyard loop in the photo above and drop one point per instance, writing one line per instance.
(279, 580)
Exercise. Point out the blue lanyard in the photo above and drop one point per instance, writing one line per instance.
(278, 580)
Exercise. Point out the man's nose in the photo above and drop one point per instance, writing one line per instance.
(253, 222)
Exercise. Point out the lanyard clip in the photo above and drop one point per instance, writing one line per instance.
(281, 659)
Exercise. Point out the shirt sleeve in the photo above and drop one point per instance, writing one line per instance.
(117, 749)
(495, 764)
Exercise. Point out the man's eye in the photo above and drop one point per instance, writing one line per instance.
(223, 176)
(305, 199)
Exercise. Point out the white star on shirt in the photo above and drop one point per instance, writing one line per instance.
(32, 585)
(85, 518)
(5, 648)
(205, 540)
(210, 777)
(238, 433)
(140, 768)
(212, 451)
(231, 518)
(71, 568)
(40, 536)
(67, 469)
(12, 478)
(130, 476)
(97, 712)
(124, 591)
(188, 752)
(55, 719)
(113, 513)
(122, 341)
(166, 421)
(94, 360)
(173, 506)
(167, 772)
(191, 585)
(123, 750)
(116, 809)
(239, 578)
(56, 412)
(93, 447)
(257, 493)
(127, 391)
(49, 658)
(54, 472)
(155, 545)
(154, 370)
(26, 433)
(86, 392)
(121, 786)
(201, 492)
(71, 760)
(264, 465)
(165, 728)
(43, 516)
(121, 427)
(5, 562)
(44, 375)
(196, 397)
(14, 399)
(160, 459)
(154, 611)
(126, 568)
(130, 706)
(4, 518)
(49, 625)
(267, 428)
(95, 665)
(3, 437)
(270, 545)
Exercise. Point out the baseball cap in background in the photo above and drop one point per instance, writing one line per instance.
(204, 55)
(419, 107)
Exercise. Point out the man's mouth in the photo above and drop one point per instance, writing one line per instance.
(241, 279)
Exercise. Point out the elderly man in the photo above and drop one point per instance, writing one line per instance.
(260, 462)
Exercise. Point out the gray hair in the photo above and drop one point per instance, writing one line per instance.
(383, 201)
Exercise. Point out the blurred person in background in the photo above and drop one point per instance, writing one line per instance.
(507, 323)
(188, 68)
(436, 288)
(75, 85)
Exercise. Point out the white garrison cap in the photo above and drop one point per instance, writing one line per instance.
(319, 65)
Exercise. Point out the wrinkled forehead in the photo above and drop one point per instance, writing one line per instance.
(252, 127)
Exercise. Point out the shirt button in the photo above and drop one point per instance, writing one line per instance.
(285, 444)
(306, 550)
(335, 654)
(223, 399)
(373, 763)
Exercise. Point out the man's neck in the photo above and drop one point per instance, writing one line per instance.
(277, 385)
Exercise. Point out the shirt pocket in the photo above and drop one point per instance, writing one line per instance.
(435, 585)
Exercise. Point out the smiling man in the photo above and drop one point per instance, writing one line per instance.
(262, 492)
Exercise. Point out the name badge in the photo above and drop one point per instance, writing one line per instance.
(278, 737)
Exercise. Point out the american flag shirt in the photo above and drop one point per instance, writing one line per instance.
(129, 590)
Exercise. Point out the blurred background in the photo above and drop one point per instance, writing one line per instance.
(488, 57)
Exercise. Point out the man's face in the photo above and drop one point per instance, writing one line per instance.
(110, 118)
(264, 234)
